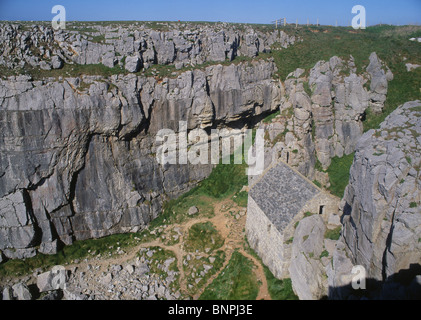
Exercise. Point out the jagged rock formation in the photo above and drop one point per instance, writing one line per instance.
(381, 207)
(322, 113)
(132, 46)
(306, 271)
(77, 155)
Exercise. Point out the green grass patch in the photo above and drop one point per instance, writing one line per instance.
(224, 180)
(176, 210)
(272, 116)
(290, 240)
(98, 39)
(339, 174)
(413, 205)
(333, 234)
(203, 236)
(317, 183)
(74, 70)
(279, 289)
(236, 282)
(78, 250)
(241, 198)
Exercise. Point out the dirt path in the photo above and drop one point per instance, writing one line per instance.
(231, 227)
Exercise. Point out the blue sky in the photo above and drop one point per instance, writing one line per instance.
(252, 11)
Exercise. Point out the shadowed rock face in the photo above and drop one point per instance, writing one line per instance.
(77, 155)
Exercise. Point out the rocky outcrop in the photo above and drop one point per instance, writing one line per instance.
(382, 223)
(322, 113)
(307, 273)
(77, 155)
(381, 208)
(131, 46)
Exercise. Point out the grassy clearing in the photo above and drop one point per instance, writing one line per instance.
(279, 289)
(236, 282)
(72, 70)
(202, 237)
(333, 234)
(241, 198)
(339, 174)
(203, 196)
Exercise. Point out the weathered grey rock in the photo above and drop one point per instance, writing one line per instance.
(57, 62)
(44, 281)
(193, 210)
(8, 293)
(21, 291)
(45, 65)
(379, 83)
(75, 162)
(49, 247)
(188, 44)
(107, 279)
(410, 66)
(109, 60)
(306, 270)
(327, 110)
(133, 63)
(381, 203)
(130, 269)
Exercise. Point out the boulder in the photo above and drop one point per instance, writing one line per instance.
(109, 60)
(50, 247)
(133, 63)
(45, 65)
(8, 293)
(193, 210)
(21, 291)
(306, 271)
(57, 62)
(44, 281)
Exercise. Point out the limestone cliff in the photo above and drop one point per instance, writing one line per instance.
(382, 208)
(77, 155)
